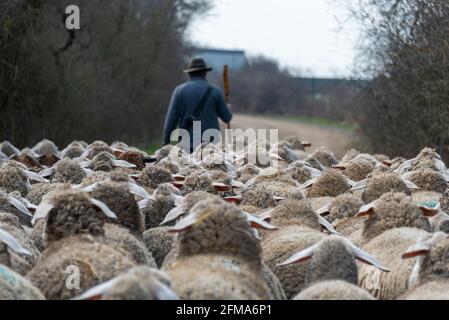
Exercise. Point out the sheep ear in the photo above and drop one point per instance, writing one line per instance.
(407, 164)
(89, 172)
(12, 243)
(366, 258)
(135, 177)
(178, 185)
(324, 210)
(440, 165)
(163, 292)
(117, 152)
(90, 188)
(31, 207)
(85, 164)
(419, 249)
(221, 187)
(388, 163)
(410, 185)
(366, 210)
(301, 256)
(178, 200)
(315, 172)
(149, 159)
(266, 215)
(173, 214)
(326, 225)
(85, 154)
(237, 184)
(279, 198)
(42, 211)
(340, 166)
(122, 164)
(145, 203)
(96, 293)
(258, 223)
(19, 206)
(34, 176)
(178, 177)
(306, 144)
(308, 184)
(103, 207)
(138, 191)
(185, 224)
(429, 212)
(360, 185)
(236, 199)
(47, 172)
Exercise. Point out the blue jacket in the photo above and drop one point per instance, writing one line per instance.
(185, 100)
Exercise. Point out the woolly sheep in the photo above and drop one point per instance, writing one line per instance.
(325, 157)
(97, 263)
(297, 143)
(202, 181)
(15, 177)
(429, 279)
(300, 228)
(277, 184)
(40, 190)
(139, 283)
(332, 259)
(68, 171)
(73, 150)
(19, 262)
(314, 163)
(358, 170)
(380, 184)
(47, 152)
(341, 207)
(8, 149)
(133, 157)
(428, 179)
(247, 172)
(166, 197)
(153, 176)
(13, 203)
(29, 159)
(350, 155)
(217, 236)
(331, 183)
(301, 172)
(159, 241)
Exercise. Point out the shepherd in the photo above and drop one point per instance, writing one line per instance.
(196, 100)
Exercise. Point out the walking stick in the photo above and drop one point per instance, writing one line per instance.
(227, 87)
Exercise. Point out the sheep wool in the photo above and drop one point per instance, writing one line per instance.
(153, 176)
(13, 178)
(103, 162)
(40, 190)
(69, 171)
(325, 157)
(383, 183)
(259, 197)
(221, 240)
(97, 263)
(344, 206)
(429, 180)
(334, 290)
(350, 155)
(159, 241)
(6, 206)
(14, 287)
(358, 170)
(299, 172)
(133, 157)
(331, 183)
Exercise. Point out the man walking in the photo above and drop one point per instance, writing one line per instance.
(196, 100)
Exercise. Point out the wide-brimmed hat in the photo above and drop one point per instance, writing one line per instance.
(197, 64)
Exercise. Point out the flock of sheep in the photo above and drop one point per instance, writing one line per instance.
(100, 221)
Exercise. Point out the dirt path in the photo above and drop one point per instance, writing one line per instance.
(339, 140)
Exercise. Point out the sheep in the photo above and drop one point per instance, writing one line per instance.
(169, 165)
(247, 172)
(66, 171)
(300, 228)
(394, 223)
(40, 190)
(428, 179)
(13, 203)
(8, 149)
(258, 197)
(341, 207)
(429, 280)
(277, 184)
(15, 177)
(20, 262)
(358, 170)
(202, 181)
(350, 155)
(95, 149)
(133, 157)
(153, 176)
(333, 259)
(105, 161)
(159, 241)
(218, 236)
(73, 150)
(325, 157)
(297, 143)
(166, 197)
(29, 159)
(47, 152)
(301, 172)
(139, 283)
(380, 184)
(314, 163)
(331, 183)
(93, 261)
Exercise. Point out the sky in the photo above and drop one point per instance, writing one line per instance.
(310, 37)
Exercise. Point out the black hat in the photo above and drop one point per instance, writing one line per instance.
(197, 64)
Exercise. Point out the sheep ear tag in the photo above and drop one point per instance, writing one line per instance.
(326, 225)
(103, 208)
(96, 293)
(419, 249)
(19, 206)
(366, 258)
(34, 176)
(42, 211)
(173, 214)
(258, 223)
(12, 243)
(221, 187)
(366, 210)
(301, 256)
(122, 164)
